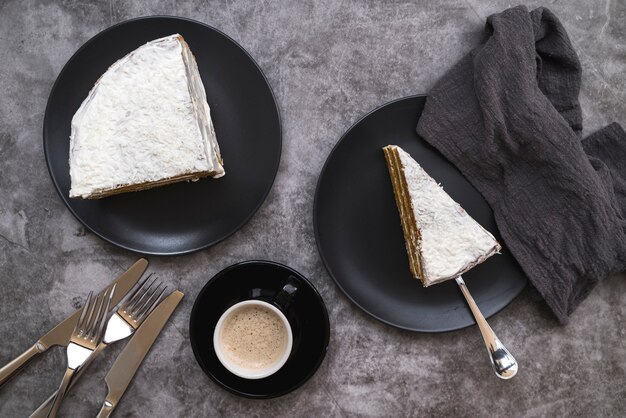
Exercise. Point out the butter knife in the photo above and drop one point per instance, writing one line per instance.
(60, 334)
(129, 360)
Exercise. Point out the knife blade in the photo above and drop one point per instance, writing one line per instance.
(61, 333)
(129, 360)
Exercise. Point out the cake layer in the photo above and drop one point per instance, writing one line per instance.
(411, 233)
(97, 194)
(442, 240)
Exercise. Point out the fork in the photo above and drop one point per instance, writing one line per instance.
(122, 324)
(85, 338)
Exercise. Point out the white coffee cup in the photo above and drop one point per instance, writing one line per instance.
(283, 299)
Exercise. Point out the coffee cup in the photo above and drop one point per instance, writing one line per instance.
(253, 338)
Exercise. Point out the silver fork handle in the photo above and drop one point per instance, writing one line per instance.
(503, 363)
(45, 406)
(15, 365)
(65, 383)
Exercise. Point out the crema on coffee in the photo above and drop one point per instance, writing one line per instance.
(253, 337)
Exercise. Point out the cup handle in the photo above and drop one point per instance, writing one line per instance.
(284, 298)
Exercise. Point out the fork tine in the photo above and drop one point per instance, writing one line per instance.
(101, 314)
(93, 324)
(80, 324)
(105, 313)
(132, 310)
(155, 303)
(137, 293)
(90, 317)
(151, 303)
(81, 320)
(147, 300)
(92, 306)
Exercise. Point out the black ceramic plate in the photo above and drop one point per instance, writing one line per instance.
(360, 239)
(182, 217)
(307, 315)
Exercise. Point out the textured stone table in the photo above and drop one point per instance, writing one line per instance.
(328, 62)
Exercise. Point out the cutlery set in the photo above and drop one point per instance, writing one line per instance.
(141, 314)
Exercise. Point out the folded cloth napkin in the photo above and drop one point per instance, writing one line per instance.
(507, 115)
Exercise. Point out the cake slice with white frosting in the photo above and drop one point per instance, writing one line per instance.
(145, 123)
(442, 240)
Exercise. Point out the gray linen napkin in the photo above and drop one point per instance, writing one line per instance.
(507, 115)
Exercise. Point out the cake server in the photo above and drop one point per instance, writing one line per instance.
(129, 360)
(504, 364)
(60, 334)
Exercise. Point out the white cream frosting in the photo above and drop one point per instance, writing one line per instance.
(146, 119)
(451, 241)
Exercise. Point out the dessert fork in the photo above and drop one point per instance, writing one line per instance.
(123, 323)
(134, 311)
(84, 340)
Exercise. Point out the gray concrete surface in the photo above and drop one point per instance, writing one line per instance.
(328, 61)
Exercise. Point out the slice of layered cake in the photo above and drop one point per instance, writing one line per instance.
(442, 240)
(145, 123)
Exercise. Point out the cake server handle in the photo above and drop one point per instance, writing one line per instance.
(504, 364)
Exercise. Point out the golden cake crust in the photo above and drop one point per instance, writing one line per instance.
(409, 228)
(148, 185)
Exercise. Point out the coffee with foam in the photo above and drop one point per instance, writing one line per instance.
(254, 337)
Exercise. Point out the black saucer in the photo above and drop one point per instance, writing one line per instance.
(307, 314)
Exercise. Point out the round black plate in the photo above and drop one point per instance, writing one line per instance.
(183, 217)
(360, 240)
(307, 315)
